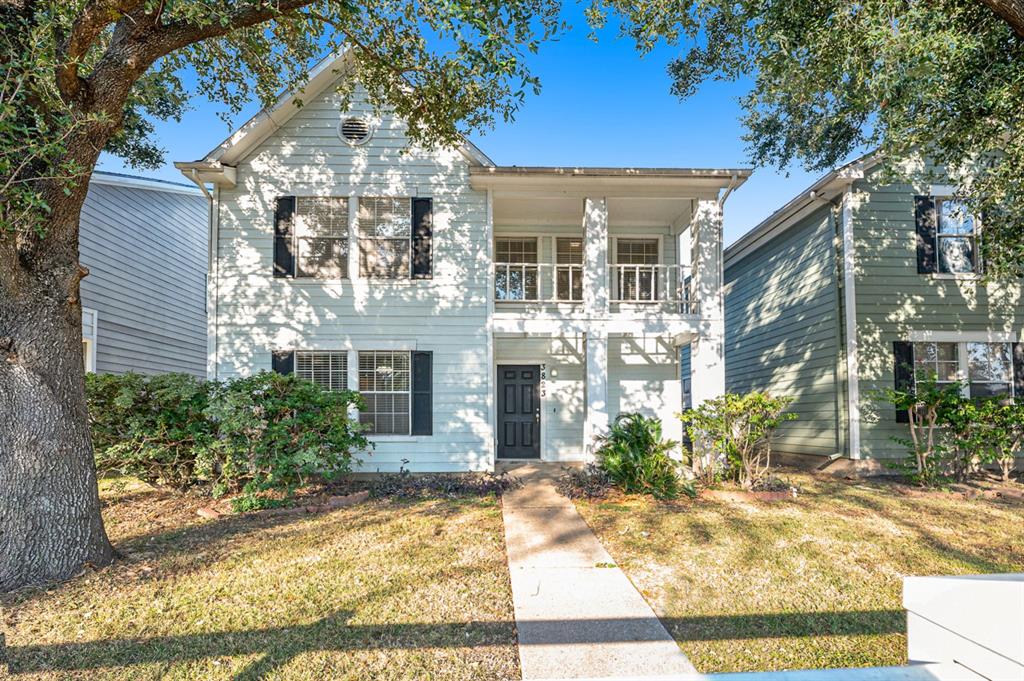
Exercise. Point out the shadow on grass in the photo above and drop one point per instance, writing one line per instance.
(275, 647)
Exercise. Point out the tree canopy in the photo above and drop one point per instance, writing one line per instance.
(942, 79)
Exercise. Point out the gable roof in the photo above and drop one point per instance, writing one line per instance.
(218, 165)
(825, 188)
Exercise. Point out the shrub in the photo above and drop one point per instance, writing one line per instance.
(731, 435)
(588, 482)
(149, 427)
(263, 436)
(638, 460)
(275, 433)
(939, 421)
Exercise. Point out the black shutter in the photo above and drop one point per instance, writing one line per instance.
(924, 216)
(284, 256)
(283, 362)
(903, 353)
(422, 236)
(1018, 370)
(422, 393)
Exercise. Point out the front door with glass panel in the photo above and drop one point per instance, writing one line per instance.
(519, 411)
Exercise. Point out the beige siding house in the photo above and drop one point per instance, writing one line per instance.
(849, 281)
(484, 312)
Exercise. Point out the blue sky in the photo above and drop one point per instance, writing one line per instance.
(601, 105)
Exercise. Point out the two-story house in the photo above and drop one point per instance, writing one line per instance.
(840, 292)
(144, 243)
(483, 312)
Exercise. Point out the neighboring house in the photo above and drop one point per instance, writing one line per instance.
(484, 312)
(840, 292)
(144, 243)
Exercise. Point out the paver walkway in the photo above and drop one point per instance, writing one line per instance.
(577, 615)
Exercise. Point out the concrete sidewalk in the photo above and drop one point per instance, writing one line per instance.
(577, 615)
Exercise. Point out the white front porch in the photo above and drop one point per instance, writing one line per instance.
(598, 277)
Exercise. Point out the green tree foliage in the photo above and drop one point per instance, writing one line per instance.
(636, 458)
(263, 434)
(731, 434)
(834, 78)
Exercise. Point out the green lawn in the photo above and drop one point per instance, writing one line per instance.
(381, 590)
(814, 582)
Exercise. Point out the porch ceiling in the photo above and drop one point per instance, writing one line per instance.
(511, 211)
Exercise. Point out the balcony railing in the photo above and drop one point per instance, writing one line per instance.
(667, 286)
(538, 283)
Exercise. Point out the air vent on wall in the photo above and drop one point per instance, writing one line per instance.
(354, 130)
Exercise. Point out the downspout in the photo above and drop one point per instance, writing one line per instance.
(211, 274)
(728, 190)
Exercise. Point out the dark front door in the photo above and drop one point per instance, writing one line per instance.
(519, 411)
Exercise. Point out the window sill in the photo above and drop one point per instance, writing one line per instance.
(947, 276)
(393, 438)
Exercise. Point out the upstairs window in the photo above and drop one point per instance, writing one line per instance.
(636, 260)
(385, 237)
(321, 237)
(516, 272)
(569, 259)
(956, 237)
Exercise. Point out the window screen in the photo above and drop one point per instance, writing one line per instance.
(321, 237)
(384, 384)
(329, 370)
(385, 233)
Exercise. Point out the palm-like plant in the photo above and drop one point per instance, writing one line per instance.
(638, 460)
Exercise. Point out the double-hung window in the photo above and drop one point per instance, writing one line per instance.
(385, 384)
(516, 274)
(321, 237)
(983, 369)
(385, 237)
(956, 240)
(569, 263)
(329, 370)
(636, 263)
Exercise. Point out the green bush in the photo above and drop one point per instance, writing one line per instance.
(149, 427)
(275, 433)
(258, 435)
(638, 460)
(731, 435)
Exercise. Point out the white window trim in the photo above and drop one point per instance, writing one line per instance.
(89, 339)
(945, 192)
(963, 336)
(384, 437)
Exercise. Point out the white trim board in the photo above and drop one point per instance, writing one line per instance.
(850, 323)
(963, 336)
(131, 182)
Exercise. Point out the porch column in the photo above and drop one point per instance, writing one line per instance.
(596, 420)
(707, 349)
(595, 257)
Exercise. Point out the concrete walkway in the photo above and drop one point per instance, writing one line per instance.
(577, 615)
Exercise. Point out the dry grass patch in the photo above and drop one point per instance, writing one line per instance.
(809, 583)
(383, 590)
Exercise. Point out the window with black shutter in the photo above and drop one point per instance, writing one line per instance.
(903, 355)
(283, 362)
(284, 234)
(422, 238)
(422, 393)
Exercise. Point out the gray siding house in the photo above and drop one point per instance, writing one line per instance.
(849, 280)
(144, 243)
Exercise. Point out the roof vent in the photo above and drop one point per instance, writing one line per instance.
(355, 130)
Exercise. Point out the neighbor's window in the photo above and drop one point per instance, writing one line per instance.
(515, 269)
(329, 370)
(989, 369)
(384, 383)
(985, 369)
(569, 259)
(636, 259)
(956, 236)
(936, 361)
(385, 237)
(89, 325)
(321, 237)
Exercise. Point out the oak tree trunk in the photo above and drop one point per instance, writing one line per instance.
(50, 523)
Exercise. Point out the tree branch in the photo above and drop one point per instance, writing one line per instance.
(1010, 11)
(84, 32)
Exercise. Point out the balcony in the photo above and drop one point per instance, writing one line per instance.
(642, 289)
